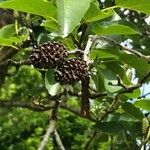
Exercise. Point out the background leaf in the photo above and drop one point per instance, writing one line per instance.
(143, 5)
(111, 127)
(11, 41)
(135, 62)
(114, 29)
(143, 104)
(70, 13)
(38, 7)
(130, 109)
(110, 81)
(95, 14)
(7, 31)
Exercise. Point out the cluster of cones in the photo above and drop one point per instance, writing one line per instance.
(54, 55)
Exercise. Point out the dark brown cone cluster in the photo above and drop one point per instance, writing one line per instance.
(71, 71)
(48, 55)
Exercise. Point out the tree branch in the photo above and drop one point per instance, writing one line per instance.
(47, 135)
(15, 63)
(87, 49)
(133, 51)
(40, 107)
(32, 106)
(58, 140)
(76, 112)
(86, 147)
(51, 128)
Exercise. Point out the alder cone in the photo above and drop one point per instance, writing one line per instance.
(48, 55)
(71, 71)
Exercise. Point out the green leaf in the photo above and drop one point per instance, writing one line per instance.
(134, 94)
(111, 127)
(37, 7)
(95, 14)
(51, 85)
(129, 59)
(7, 31)
(70, 13)
(130, 109)
(143, 104)
(50, 25)
(139, 64)
(116, 67)
(98, 79)
(103, 54)
(110, 81)
(114, 29)
(143, 5)
(11, 41)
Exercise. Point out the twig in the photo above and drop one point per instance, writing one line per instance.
(58, 140)
(32, 106)
(15, 63)
(135, 52)
(136, 86)
(76, 112)
(40, 107)
(91, 95)
(90, 140)
(97, 95)
(74, 51)
(51, 128)
(47, 135)
(89, 44)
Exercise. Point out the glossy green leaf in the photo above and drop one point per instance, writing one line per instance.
(95, 14)
(51, 85)
(70, 13)
(143, 104)
(38, 7)
(143, 5)
(114, 29)
(7, 31)
(130, 109)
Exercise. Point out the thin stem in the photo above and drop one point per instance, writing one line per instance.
(90, 140)
(109, 8)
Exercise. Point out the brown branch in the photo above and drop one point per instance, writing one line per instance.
(133, 51)
(97, 95)
(128, 89)
(40, 107)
